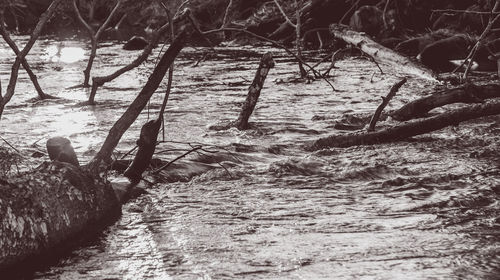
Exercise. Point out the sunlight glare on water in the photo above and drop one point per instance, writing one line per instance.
(64, 54)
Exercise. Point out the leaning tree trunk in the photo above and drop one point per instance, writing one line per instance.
(139, 103)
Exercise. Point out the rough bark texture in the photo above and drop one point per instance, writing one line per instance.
(147, 145)
(380, 53)
(49, 210)
(464, 94)
(409, 129)
(266, 63)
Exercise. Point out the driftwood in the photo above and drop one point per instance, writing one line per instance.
(380, 53)
(463, 94)
(385, 102)
(48, 211)
(409, 129)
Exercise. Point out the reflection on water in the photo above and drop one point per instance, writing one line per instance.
(255, 204)
(63, 54)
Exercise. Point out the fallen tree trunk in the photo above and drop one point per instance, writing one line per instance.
(49, 210)
(380, 53)
(464, 94)
(409, 129)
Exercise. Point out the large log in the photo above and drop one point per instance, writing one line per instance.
(49, 210)
(409, 129)
(463, 94)
(380, 53)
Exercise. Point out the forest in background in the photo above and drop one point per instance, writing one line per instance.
(400, 19)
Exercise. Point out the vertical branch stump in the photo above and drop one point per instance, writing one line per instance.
(385, 102)
(147, 145)
(266, 63)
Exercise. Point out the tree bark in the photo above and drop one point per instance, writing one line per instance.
(49, 211)
(409, 129)
(463, 94)
(147, 145)
(380, 53)
(266, 63)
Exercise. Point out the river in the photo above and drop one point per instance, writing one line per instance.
(255, 204)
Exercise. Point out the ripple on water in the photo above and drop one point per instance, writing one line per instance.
(260, 207)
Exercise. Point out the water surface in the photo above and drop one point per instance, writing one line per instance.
(254, 204)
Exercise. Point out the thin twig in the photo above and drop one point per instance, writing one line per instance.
(384, 14)
(472, 53)
(287, 19)
(176, 159)
(6, 142)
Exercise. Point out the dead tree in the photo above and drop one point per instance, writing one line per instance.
(468, 93)
(266, 63)
(135, 108)
(59, 204)
(24, 62)
(298, 31)
(101, 80)
(94, 37)
(4, 99)
(479, 42)
(409, 129)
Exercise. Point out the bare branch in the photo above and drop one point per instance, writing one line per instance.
(108, 19)
(287, 19)
(385, 102)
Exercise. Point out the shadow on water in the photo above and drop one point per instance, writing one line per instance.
(255, 205)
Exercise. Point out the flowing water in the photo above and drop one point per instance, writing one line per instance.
(255, 204)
